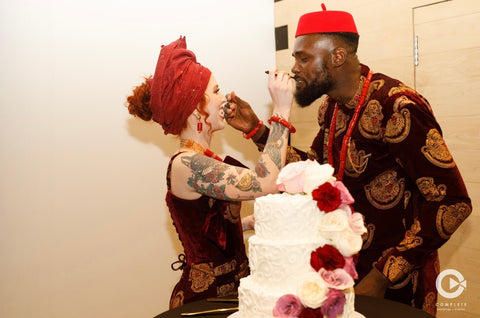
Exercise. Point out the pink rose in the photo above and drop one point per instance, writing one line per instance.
(291, 177)
(287, 306)
(350, 267)
(345, 195)
(336, 279)
(355, 220)
(333, 306)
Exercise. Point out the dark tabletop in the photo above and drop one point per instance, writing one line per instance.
(368, 306)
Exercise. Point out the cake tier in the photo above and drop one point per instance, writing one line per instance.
(274, 265)
(258, 301)
(286, 218)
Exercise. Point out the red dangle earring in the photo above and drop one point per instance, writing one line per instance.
(199, 124)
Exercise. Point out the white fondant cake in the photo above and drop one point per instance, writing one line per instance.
(288, 228)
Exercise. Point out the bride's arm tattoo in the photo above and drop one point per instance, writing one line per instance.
(275, 143)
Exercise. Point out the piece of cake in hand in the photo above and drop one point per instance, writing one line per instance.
(302, 256)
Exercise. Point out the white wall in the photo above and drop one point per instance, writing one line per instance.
(84, 231)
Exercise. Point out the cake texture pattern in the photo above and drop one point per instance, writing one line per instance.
(302, 256)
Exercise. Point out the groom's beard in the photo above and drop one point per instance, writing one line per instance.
(313, 91)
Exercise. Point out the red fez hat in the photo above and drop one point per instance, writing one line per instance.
(177, 86)
(325, 22)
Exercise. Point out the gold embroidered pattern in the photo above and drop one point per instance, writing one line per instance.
(436, 151)
(396, 268)
(415, 275)
(429, 190)
(322, 109)
(325, 144)
(312, 155)
(225, 268)
(177, 300)
(225, 290)
(385, 191)
(398, 126)
(353, 102)
(450, 217)
(211, 202)
(370, 123)
(292, 155)
(356, 161)
(342, 123)
(375, 86)
(401, 88)
(201, 276)
(403, 282)
(429, 304)
(232, 212)
(368, 236)
(411, 239)
(243, 270)
(406, 198)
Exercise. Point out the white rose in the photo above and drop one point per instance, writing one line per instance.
(334, 221)
(347, 242)
(316, 174)
(312, 290)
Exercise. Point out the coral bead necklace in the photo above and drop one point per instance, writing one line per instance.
(188, 143)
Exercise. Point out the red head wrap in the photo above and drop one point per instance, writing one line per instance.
(325, 21)
(177, 86)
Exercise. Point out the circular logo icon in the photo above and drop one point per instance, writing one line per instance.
(456, 286)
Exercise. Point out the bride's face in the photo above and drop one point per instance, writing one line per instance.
(215, 100)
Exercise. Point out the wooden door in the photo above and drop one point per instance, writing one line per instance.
(448, 75)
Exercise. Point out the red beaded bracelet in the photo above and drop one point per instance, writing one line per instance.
(254, 131)
(282, 122)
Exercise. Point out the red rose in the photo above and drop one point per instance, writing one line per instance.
(328, 197)
(327, 257)
(311, 313)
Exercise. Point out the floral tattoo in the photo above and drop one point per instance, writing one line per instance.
(275, 143)
(207, 177)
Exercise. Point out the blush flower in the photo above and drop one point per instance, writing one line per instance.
(356, 222)
(345, 195)
(336, 279)
(290, 178)
(333, 306)
(350, 267)
(287, 306)
(327, 257)
(327, 196)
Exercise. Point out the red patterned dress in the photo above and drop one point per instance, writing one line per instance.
(214, 256)
(404, 182)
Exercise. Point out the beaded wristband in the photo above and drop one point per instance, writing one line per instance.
(283, 122)
(254, 131)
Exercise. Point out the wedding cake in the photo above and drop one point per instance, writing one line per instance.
(302, 254)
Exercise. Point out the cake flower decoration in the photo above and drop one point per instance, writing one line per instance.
(327, 196)
(322, 292)
(287, 306)
(333, 306)
(327, 257)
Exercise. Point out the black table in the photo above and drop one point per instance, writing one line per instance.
(368, 306)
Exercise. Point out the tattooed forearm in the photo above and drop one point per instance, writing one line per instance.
(249, 182)
(261, 169)
(275, 143)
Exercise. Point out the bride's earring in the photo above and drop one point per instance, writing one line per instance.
(199, 124)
